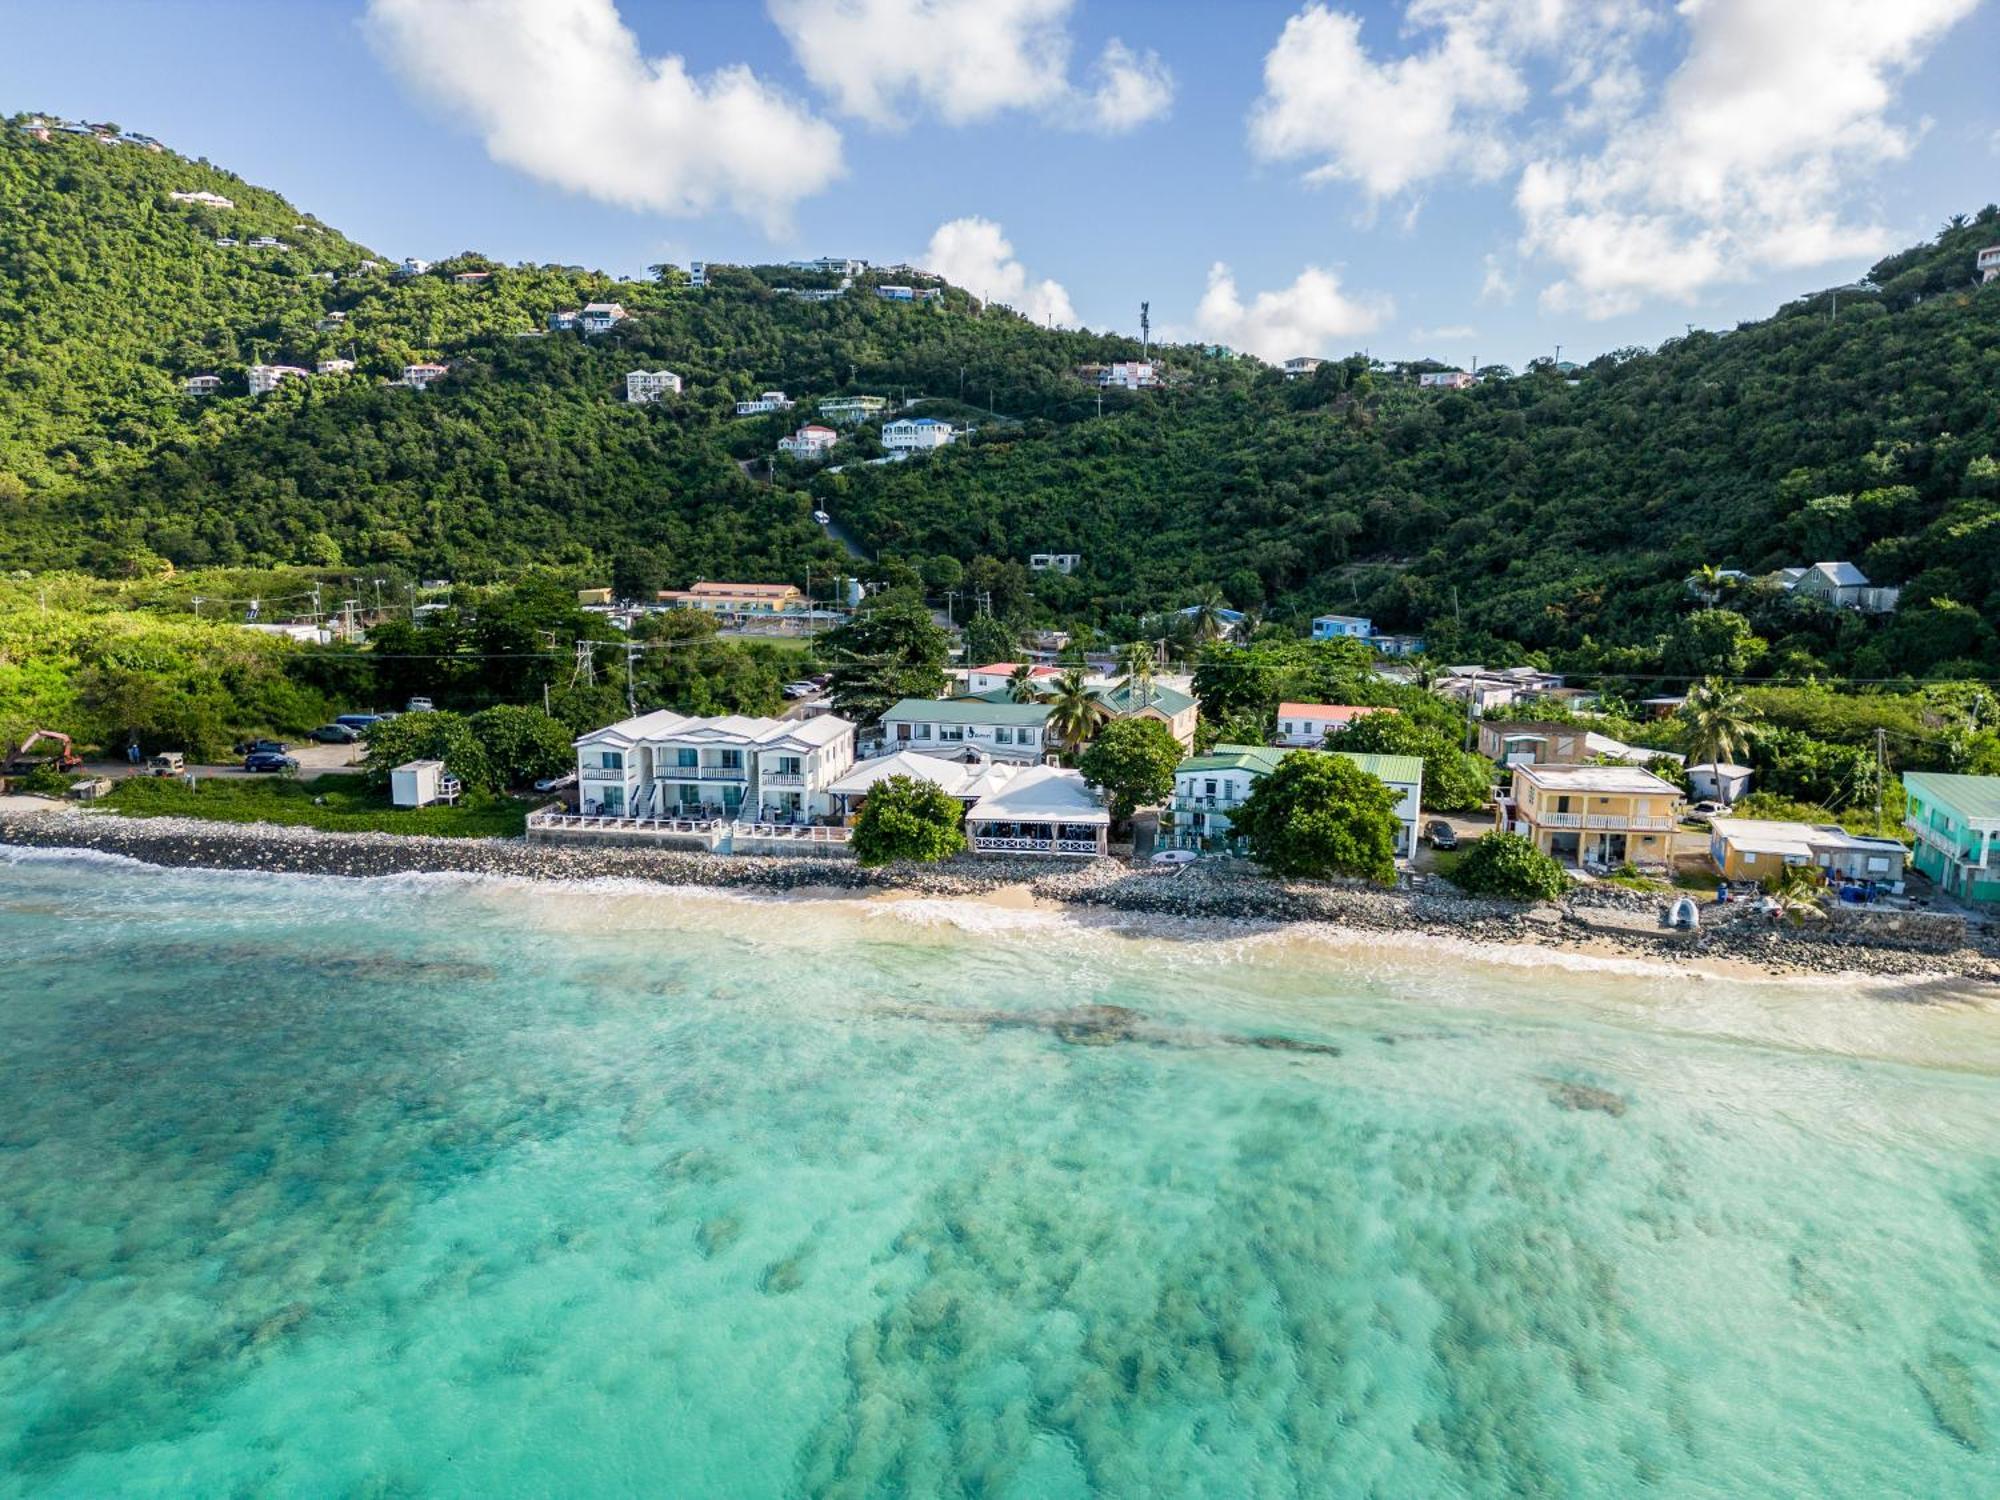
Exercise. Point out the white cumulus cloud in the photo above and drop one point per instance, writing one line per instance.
(1300, 319)
(559, 89)
(1746, 162)
(975, 253)
(965, 61)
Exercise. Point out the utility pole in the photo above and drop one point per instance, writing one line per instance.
(1880, 735)
(1145, 330)
(631, 691)
(950, 606)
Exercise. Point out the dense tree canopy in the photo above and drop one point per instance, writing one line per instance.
(1319, 816)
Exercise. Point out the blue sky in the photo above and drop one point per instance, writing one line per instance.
(1452, 178)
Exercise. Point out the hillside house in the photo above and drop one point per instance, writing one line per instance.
(737, 601)
(335, 367)
(1987, 264)
(1169, 705)
(1342, 627)
(645, 386)
(1301, 366)
(225, 242)
(421, 377)
(896, 293)
(1760, 848)
(1054, 562)
(1121, 374)
(205, 198)
(410, 266)
(263, 379)
(809, 443)
(1484, 689)
(564, 319)
(267, 242)
(811, 294)
(201, 385)
(1841, 585)
(331, 323)
(768, 402)
(829, 265)
(998, 677)
(697, 275)
(1956, 822)
(845, 410)
(939, 726)
(1594, 816)
(471, 278)
(665, 764)
(1537, 742)
(1398, 645)
(917, 435)
(1445, 380)
(1306, 725)
(601, 317)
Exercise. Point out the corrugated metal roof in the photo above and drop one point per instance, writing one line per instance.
(1969, 796)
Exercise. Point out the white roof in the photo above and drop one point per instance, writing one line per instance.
(1769, 836)
(1845, 574)
(726, 729)
(1616, 780)
(421, 765)
(1721, 768)
(1638, 755)
(652, 726)
(1040, 794)
(967, 775)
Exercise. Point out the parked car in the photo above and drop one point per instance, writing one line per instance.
(556, 783)
(167, 763)
(420, 706)
(1174, 857)
(359, 723)
(252, 747)
(335, 734)
(822, 517)
(1441, 834)
(800, 689)
(269, 760)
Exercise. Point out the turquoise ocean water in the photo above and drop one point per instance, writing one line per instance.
(448, 1187)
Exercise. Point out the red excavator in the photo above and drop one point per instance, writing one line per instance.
(23, 758)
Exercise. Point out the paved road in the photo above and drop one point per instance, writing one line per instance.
(314, 760)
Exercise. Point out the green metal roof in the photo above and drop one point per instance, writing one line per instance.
(1408, 769)
(1123, 700)
(1968, 796)
(965, 711)
(1261, 759)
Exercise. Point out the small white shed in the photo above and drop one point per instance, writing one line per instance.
(1718, 781)
(419, 783)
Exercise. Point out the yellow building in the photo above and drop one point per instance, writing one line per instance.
(1593, 815)
(737, 598)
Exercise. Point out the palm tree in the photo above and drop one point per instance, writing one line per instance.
(1021, 685)
(1075, 710)
(1709, 581)
(1718, 722)
(1207, 615)
(1796, 893)
(1137, 664)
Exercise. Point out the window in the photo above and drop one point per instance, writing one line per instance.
(1029, 736)
(790, 765)
(688, 756)
(614, 800)
(611, 760)
(1209, 786)
(729, 760)
(1878, 864)
(953, 732)
(923, 731)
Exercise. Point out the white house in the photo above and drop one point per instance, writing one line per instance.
(829, 265)
(896, 293)
(1496, 688)
(1342, 628)
(267, 242)
(1718, 781)
(201, 385)
(1010, 808)
(1840, 584)
(419, 377)
(410, 266)
(266, 378)
(208, 199)
(643, 386)
(1988, 264)
(1301, 366)
(1306, 725)
(998, 676)
(768, 402)
(1054, 562)
(665, 764)
(470, 278)
(810, 442)
(601, 317)
(1004, 731)
(918, 435)
(335, 367)
(697, 274)
(846, 409)
(225, 242)
(1129, 375)
(1445, 380)
(1209, 788)
(563, 319)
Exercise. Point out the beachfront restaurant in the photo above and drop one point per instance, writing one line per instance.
(1040, 810)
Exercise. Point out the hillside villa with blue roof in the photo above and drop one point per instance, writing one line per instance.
(1956, 821)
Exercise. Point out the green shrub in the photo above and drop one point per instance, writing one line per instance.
(904, 818)
(1320, 816)
(1509, 866)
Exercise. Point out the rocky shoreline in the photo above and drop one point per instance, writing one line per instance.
(1601, 919)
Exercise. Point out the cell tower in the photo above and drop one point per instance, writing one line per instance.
(1145, 330)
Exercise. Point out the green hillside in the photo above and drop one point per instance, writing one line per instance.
(1551, 511)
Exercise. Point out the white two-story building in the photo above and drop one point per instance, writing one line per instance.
(917, 435)
(665, 765)
(643, 386)
(939, 726)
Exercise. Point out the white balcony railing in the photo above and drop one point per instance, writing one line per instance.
(783, 778)
(709, 828)
(1076, 847)
(703, 773)
(804, 833)
(1971, 855)
(1609, 822)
